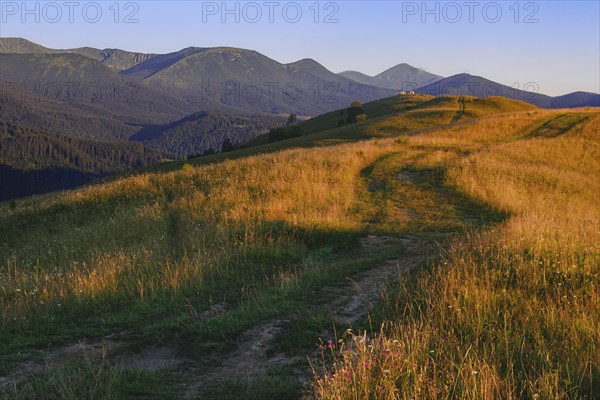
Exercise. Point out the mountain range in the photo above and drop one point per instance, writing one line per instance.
(184, 103)
(205, 78)
(477, 86)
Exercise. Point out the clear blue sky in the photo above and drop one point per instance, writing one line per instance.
(555, 44)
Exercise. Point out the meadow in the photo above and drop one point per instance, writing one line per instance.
(510, 311)
(194, 256)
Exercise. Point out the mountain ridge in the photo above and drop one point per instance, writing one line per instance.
(247, 79)
(117, 59)
(364, 87)
(465, 84)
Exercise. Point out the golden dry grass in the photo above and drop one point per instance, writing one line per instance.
(513, 311)
(219, 211)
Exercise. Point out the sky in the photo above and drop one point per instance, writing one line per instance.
(553, 44)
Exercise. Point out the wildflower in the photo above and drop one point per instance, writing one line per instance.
(330, 344)
(473, 372)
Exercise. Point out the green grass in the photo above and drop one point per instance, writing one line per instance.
(265, 230)
(275, 385)
(86, 381)
(387, 117)
(374, 109)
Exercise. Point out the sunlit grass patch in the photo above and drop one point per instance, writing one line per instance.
(510, 312)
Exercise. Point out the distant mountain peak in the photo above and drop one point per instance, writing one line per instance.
(306, 63)
(399, 77)
(403, 71)
(20, 46)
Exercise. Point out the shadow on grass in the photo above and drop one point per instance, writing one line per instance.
(270, 279)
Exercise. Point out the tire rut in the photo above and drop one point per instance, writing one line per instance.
(350, 302)
(461, 111)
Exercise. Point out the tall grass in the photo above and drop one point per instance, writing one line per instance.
(512, 311)
(87, 380)
(164, 234)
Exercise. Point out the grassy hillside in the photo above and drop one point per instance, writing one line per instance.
(391, 116)
(217, 279)
(511, 311)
